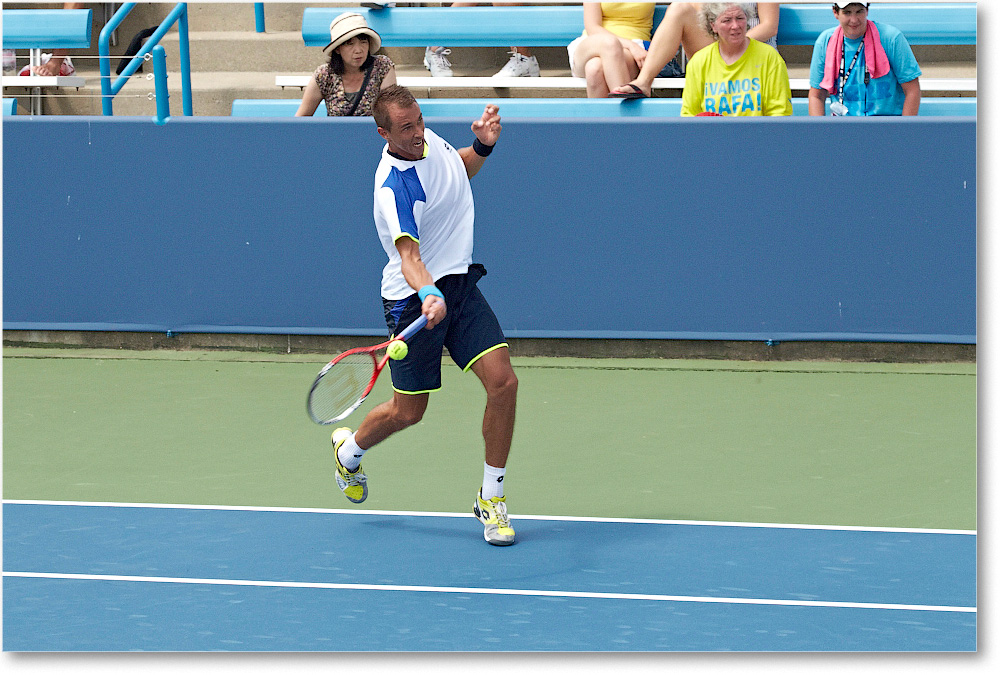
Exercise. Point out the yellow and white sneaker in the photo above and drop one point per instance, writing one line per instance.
(353, 483)
(493, 514)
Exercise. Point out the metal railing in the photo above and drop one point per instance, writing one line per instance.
(258, 12)
(109, 89)
(160, 77)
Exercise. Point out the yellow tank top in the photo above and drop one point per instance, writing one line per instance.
(630, 20)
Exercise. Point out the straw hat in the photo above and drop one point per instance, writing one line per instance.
(348, 25)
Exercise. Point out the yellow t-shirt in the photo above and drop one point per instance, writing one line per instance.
(756, 85)
(630, 20)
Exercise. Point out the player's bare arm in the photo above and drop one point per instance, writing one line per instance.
(487, 130)
(417, 276)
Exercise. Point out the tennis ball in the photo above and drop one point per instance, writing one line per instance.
(396, 350)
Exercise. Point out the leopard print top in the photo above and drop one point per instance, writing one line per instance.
(338, 103)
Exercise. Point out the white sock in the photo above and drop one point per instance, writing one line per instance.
(350, 454)
(492, 481)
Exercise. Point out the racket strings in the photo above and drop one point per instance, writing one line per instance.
(341, 388)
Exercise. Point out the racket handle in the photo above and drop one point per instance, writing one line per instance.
(412, 329)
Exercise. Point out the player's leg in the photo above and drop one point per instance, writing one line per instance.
(413, 378)
(476, 342)
(385, 419)
(494, 370)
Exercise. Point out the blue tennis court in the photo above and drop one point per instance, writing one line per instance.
(139, 577)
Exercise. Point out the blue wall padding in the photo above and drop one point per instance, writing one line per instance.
(743, 228)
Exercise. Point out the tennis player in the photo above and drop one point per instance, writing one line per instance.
(424, 216)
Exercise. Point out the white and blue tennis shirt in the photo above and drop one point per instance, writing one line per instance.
(429, 200)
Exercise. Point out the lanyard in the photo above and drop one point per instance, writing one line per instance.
(843, 75)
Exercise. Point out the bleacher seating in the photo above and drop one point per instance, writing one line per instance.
(10, 106)
(946, 84)
(38, 29)
(571, 107)
(540, 26)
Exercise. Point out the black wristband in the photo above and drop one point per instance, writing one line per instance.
(481, 148)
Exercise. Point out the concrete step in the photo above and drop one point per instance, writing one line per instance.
(480, 61)
(285, 51)
(212, 94)
(802, 54)
(214, 91)
(241, 51)
(938, 69)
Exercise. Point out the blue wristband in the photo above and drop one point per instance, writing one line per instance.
(429, 289)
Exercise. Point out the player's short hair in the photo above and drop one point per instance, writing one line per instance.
(393, 95)
(710, 11)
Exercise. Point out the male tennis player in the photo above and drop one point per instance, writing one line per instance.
(424, 215)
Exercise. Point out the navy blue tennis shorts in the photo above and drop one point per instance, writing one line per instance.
(469, 330)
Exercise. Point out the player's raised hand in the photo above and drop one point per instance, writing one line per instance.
(487, 128)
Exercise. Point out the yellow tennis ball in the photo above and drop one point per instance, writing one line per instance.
(396, 350)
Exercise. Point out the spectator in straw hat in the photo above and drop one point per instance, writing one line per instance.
(355, 74)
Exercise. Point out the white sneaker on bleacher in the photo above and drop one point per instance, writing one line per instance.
(520, 66)
(437, 63)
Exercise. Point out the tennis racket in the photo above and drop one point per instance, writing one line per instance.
(345, 382)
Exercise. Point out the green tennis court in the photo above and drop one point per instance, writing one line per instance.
(862, 444)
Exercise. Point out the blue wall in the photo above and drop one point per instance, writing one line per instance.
(823, 229)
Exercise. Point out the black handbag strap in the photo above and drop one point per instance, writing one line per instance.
(361, 92)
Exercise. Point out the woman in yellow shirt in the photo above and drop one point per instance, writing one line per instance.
(735, 75)
(610, 51)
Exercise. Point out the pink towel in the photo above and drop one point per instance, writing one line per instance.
(877, 66)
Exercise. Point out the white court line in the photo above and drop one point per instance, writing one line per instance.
(491, 591)
(586, 519)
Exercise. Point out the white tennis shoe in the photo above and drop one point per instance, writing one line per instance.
(354, 484)
(493, 514)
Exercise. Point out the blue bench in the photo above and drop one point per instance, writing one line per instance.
(271, 107)
(923, 24)
(571, 107)
(548, 26)
(38, 29)
(10, 106)
(46, 28)
(545, 26)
